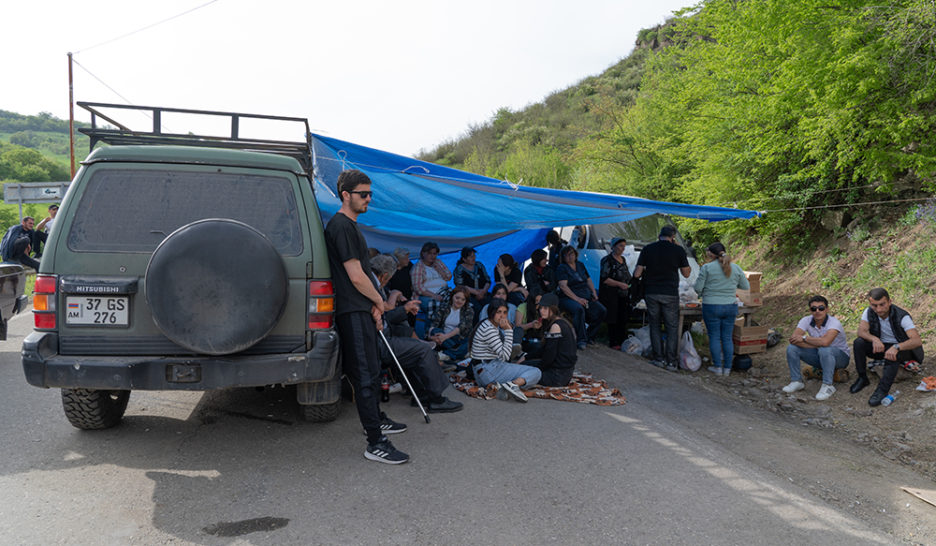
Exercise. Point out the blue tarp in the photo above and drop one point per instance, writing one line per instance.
(416, 201)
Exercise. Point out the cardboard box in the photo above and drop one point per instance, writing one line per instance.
(754, 278)
(749, 333)
(750, 299)
(750, 347)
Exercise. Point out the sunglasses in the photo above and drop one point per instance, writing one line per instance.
(363, 194)
(817, 308)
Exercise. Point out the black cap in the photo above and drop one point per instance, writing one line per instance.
(549, 300)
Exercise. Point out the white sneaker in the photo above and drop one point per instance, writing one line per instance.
(514, 390)
(714, 370)
(444, 357)
(825, 392)
(726, 372)
(793, 387)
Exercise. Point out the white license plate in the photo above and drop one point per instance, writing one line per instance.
(97, 310)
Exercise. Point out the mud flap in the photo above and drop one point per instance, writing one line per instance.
(320, 392)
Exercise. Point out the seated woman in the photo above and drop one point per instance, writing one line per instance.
(528, 316)
(430, 277)
(507, 272)
(538, 275)
(451, 325)
(520, 325)
(558, 358)
(491, 346)
(578, 297)
(471, 274)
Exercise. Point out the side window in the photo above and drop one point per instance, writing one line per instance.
(124, 210)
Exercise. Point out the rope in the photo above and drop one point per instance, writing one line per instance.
(131, 33)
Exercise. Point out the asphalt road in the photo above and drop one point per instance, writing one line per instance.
(676, 465)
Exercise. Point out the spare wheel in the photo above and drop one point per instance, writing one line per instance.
(216, 286)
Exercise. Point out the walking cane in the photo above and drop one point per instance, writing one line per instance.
(408, 384)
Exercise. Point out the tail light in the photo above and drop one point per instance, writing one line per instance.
(44, 302)
(321, 312)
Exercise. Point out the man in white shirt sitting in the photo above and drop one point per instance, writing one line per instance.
(819, 340)
(887, 334)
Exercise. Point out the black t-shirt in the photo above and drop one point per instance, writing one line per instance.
(345, 242)
(514, 276)
(402, 281)
(662, 261)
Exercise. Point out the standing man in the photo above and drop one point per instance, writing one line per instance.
(358, 308)
(659, 265)
(887, 334)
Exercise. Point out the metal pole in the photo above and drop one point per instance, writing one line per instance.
(415, 395)
(71, 115)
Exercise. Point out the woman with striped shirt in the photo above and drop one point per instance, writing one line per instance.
(491, 346)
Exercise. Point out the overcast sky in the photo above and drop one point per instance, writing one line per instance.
(399, 76)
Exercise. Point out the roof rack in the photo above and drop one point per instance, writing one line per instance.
(124, 136)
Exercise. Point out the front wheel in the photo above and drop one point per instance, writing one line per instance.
(90, 409)
(320, 413)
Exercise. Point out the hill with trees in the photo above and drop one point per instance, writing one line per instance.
(769, 105)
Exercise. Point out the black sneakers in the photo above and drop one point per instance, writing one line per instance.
(384, 452)
(389, 426)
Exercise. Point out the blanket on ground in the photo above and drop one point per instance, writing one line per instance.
(583, 388)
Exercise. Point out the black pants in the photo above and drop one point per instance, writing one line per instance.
(421, 364)
(617, 325)
(863, 350)
(360, 362)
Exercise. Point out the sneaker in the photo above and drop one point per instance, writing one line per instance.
(389, 426)
(671, 367)
(581, 346)
(715, 370)
(658, 363)
(444, 357)
(514, 390)
(793, 387)
(911, 366)
(384, 452)
(725, 372)
(445, 406)
(825, 392)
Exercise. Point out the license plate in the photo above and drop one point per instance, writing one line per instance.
(97, 310)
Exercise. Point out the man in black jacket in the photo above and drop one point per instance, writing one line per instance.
(417, 357)
(887, 334)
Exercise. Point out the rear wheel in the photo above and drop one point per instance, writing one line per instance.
(321, 413)
(90, 409)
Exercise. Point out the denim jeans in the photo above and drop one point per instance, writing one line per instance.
(829, 358)
(665, 308)
(456, 347)
(719, 323)
(498, 371)
(593, 316)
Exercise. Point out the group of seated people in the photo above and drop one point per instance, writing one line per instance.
(886, 334)
(512, 334)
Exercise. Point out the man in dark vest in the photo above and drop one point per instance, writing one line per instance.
(887, 334)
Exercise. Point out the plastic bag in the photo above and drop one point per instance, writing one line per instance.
(632, 346)
(643, 334)
(688, 357)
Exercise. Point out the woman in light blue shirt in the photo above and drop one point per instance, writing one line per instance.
(718, 280)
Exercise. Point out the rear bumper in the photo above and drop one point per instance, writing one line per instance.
(44, 367)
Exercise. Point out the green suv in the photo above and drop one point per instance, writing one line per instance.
(181, 262)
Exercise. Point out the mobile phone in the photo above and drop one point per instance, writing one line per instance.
(521, 355)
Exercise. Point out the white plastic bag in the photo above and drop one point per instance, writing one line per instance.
(632, 346)
(643, 334)
(688, 357)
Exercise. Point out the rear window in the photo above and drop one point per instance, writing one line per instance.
(123, 210)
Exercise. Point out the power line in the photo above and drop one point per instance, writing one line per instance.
(147, 27)
(114, 91)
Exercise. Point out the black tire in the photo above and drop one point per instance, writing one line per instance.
(90, 409)
(323, 413)
(216, 286)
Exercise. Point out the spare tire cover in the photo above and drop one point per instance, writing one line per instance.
(216, 286)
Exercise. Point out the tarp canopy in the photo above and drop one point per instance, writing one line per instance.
(416, 201)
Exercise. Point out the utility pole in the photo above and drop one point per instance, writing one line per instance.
(71, 115)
